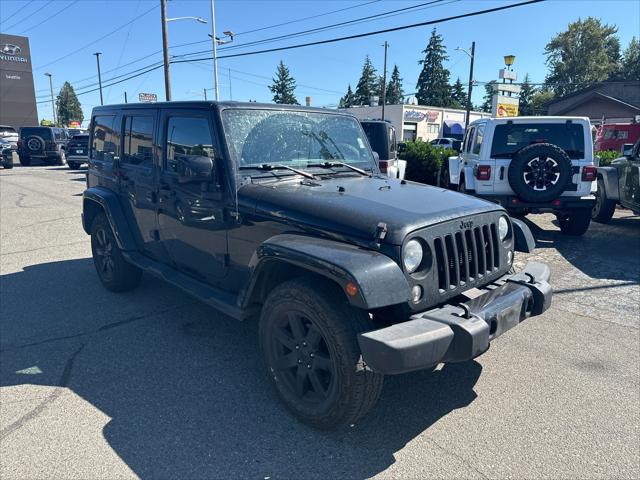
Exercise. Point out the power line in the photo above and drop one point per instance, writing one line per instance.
(50, 17)
(25, 17)
(321, 42)
(391, 13)
(367, 34)
(20, 9)
(138, 17)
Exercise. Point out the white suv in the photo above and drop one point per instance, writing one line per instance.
(530, 165)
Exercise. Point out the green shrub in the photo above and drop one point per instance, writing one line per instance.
(427, 163)
(607, 156)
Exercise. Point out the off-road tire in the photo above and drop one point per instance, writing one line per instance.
(118, 275)
(28, 144)
(24, 160)
(520, 164)
(604, 208)
(61, 158)
(7, 163)
(73, 165)
(576, 222)
(353, 388)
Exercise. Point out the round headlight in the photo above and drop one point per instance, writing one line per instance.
(503, 228)
(412, 255)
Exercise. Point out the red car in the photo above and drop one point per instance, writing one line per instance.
(613, 136)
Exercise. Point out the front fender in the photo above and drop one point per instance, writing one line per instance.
(107, 201)
(609, 176)
(379, 279)
(523, 236)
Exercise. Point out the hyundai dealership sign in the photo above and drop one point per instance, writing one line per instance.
(17, 94)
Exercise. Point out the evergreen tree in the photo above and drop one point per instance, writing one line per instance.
(349, 99)
(433, 83)
(284, 86)
(488, 96)
(68, 106)
(458, 95)
(395, 94)
(630, 67)
(526, 96)
(367, 85)
(587, 53)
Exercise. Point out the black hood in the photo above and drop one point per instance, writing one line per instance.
(354, 206)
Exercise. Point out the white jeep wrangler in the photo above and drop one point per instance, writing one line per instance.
(530, 165)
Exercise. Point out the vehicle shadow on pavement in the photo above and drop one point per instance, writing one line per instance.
(605, 251)
(183, 385)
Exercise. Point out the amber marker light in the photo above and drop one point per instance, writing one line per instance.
(351, 289)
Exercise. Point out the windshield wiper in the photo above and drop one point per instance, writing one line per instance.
(339, 164)
(266, 166)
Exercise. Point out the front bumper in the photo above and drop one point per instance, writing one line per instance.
(455, 333)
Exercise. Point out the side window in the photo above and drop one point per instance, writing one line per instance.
(138, 141)
(104, 141)
(468, 139)
(479, 137)
(187, 137)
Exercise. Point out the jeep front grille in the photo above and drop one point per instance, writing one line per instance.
(465, 256)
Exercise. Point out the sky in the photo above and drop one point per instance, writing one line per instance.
(64, 34)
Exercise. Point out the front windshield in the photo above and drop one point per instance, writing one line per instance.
(296, 139)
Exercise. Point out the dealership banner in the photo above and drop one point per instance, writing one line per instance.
(17, 93)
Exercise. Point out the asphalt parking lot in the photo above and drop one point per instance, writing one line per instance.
(156, 385)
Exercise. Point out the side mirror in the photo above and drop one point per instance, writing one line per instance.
(627, 149)
(401, 147)
(194, 169)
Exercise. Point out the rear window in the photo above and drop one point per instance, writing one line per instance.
(508, 139)
(7, 130)
(80, 138)
(43, 132)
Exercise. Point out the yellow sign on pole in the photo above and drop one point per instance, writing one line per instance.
(507, 110)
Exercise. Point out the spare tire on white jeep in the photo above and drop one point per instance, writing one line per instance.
(540, 172)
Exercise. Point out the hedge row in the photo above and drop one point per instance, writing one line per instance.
(427, 163)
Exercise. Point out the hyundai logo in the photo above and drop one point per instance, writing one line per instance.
(10, 49)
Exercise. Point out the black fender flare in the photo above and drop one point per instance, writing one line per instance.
(380, 281)
(524, 241)
(109, 203)
(609, 177)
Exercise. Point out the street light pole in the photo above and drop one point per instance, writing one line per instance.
(472, 55)
(53, 105)
(384, 79)
(97, 54)
(215, 51)
(165, 50)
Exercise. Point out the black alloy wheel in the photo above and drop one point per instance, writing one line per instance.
(115, 273)
(541, 173)
(104, 254)
(302, 359)
(308, 339)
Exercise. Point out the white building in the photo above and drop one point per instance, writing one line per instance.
(418, 121)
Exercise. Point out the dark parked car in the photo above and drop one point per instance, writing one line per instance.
(45, 143)
(6, 153)
(78, 151)
(618, 184)
(282, 213)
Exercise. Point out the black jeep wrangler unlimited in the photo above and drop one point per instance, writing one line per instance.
(281, 212)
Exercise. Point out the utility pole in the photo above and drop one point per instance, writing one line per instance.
(470, 87)
(165, 50)
(97, 54)
(53, 104)
(205, 94)
(215, 51)
(384, 79)
(125, 97)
